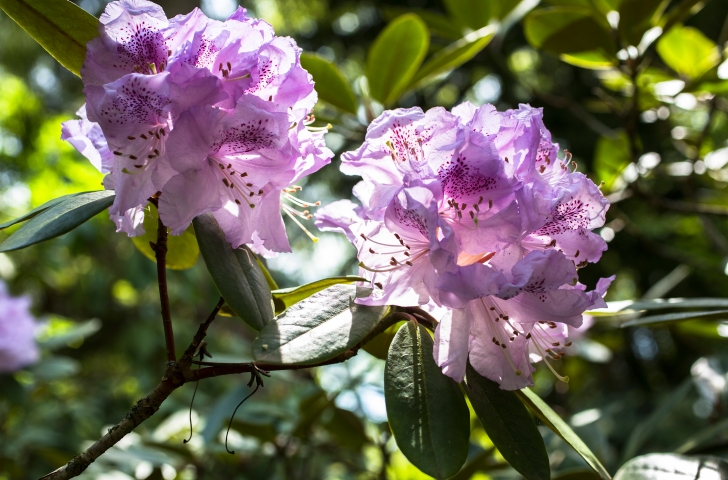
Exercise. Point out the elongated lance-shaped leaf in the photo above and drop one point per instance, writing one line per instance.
(509, 426)
(331, 85)
(286, 297)
(669, 466)
(426, 409)
(560, 428)
(61, 27)
(317, 329)
(395, 56)
(677, 303)
(453, 55)
(59, 219)
(36, 211)
(673, 317)
(235, 272)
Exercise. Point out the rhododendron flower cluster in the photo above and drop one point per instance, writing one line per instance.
(208, 116)
(474, 211)
(17, 332)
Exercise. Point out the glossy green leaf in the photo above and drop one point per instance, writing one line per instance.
(675, 303)
(611, 157)
(454, 55)
(346, 428)
(688, 51)
(568, 30)
(331, 85)
(72, 336)
(662, 413)
(578, 474)
(426, 409)
(59, 219)
(395, 56)
(36, 211)
(509, 426)
(316, 329)
(271, 283)
(669, 466)
(286, 297)
(470, 14)
(182, 250)
(439, 24)
(235, 272)
(638, 16)
(673, 317)
(560, 428)
(593, 60)
(60, 26)
(379, 345)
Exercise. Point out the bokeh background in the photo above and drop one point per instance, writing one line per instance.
(657, 139)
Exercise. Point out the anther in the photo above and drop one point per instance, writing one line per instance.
(371, 250)
(117, 153)
(132, 157)
(237, 201)
(143, 136)
(408, 263)
(131, 138)
(378, 285)
(225, 181)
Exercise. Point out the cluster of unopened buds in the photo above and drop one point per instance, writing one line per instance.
(473, 215)
(201, 115)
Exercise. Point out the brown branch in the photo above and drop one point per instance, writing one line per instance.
(144, 408)
(160, 250)
(178, 374)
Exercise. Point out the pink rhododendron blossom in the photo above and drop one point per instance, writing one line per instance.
(17, 332)
(498, 241)
(169, 101)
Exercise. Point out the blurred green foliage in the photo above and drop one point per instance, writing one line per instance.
(635, 90)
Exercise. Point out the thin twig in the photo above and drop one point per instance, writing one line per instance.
(160, 250)
(179, 373)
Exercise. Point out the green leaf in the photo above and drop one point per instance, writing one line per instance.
(346, 428)
(286, 297)
(560, 428)
(395, 56)
(703, 436)
(593, 60)
(36, 211)
(331, 85)
(235, 272)
(426, 409)
(665, 303)
(60, 27)
(470, 14)
(672, 317)
(611, 157)
(669, 466)
(509, 426)
(271, 283)
(316, 329)
(568, 30)
(182, 250)
(453, 55)
(578, 474)
(687, 51)
(74, 335)
(664, 411)
(638, 16)
(59, 219)
(379, 345)
(439, 24)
